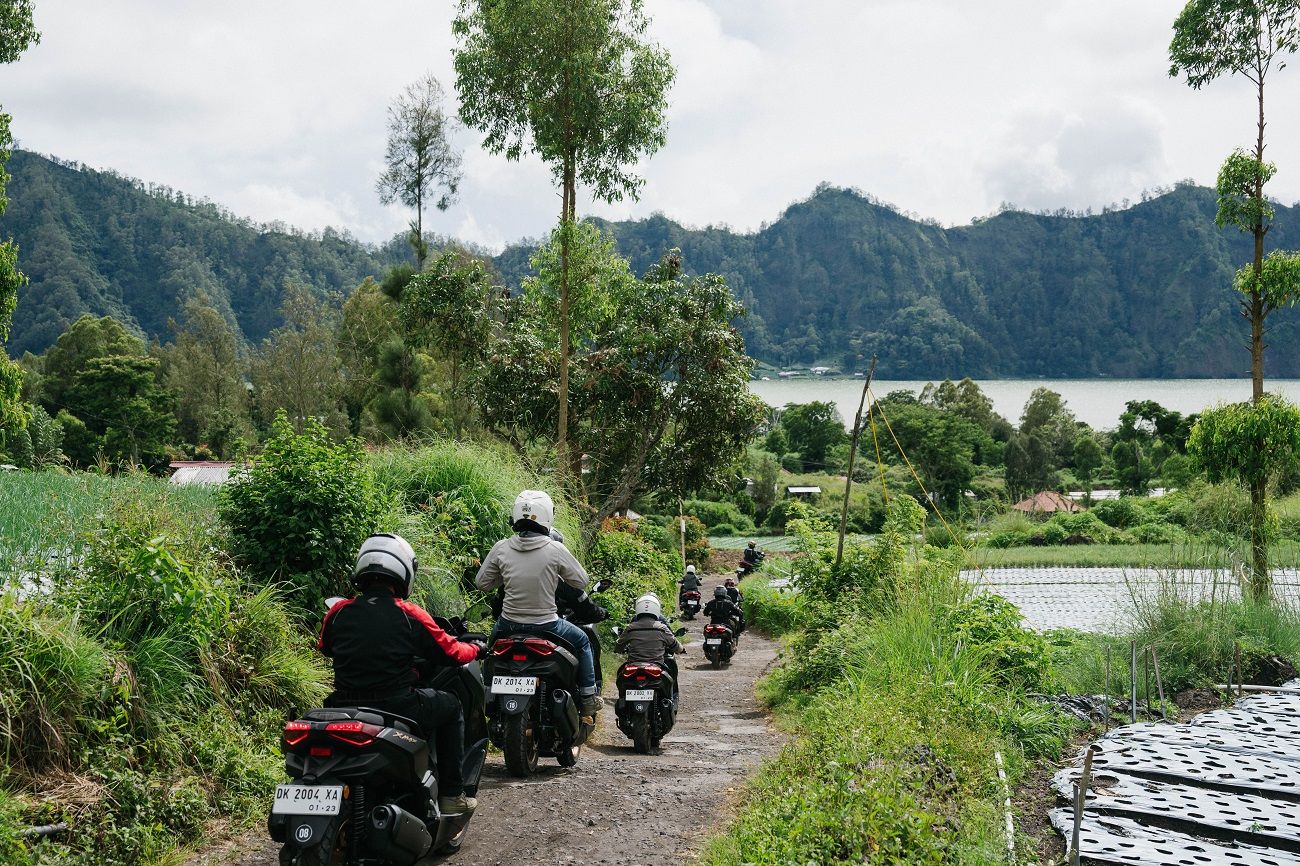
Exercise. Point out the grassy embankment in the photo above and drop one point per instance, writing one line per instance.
(899, 686)
(142, 691)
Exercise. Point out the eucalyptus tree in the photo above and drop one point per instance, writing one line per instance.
(1252, 39)
(419, 160)
(17, 33)
(576, 83)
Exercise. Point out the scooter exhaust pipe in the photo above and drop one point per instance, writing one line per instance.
(564, 712)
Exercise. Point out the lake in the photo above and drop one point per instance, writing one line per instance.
(1099, 402)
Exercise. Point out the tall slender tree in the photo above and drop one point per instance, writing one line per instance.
(420, 160)
(577, 83)
(1250, 38)
(17, 33)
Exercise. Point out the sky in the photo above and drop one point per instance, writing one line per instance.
(945, 108)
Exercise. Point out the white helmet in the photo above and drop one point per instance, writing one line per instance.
(384, 555)
(535, 510)
(690, 569)
(649, 603)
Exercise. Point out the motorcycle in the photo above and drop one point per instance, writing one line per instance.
(645, 709)
(719, 643)
(532, 707)
(363, 787)
(689, 603)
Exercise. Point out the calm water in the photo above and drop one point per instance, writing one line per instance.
(1096, 401)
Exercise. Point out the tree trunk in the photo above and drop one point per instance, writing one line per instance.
(1261, 580)
(1261, 583)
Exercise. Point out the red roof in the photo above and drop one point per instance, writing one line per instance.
(1046, 502)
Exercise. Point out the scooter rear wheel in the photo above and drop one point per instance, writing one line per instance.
(641, 735)
(520, 747)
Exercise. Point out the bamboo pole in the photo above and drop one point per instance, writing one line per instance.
(853, 450)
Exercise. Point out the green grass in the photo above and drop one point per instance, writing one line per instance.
(1285, 554)
(46, 512)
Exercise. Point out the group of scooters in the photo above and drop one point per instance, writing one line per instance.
(361, 779)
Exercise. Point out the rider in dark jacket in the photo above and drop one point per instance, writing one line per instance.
(648, 639)
(375, 640)
(723, 610)
(690, 580)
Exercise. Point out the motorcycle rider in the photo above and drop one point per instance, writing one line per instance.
(375, 639)
(690, 580)
(733, 591)
(530, 565)
(723, 610)
(750, 559)
(648, 639)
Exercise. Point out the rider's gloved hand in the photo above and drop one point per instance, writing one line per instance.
(481, 646)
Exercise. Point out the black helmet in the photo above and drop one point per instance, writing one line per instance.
(719, 592)
(386, 556)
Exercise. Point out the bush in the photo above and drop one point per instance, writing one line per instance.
(636, 567)
(792, 462)
(1120, 513)
(1083, 523)
(772, 610)
(712, 514)
(789, 509)
(1159, 533)
(992, 625)
(300, 511)
(725, 529)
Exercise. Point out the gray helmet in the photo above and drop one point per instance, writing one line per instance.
(719, 592)
(386, 556)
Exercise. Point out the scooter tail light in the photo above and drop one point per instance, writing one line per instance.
(539, 647)
(652, 670)
(502, 646)
(296, 732)
(354, 733)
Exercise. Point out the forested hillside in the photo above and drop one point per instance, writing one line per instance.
(1142, 291)
(96, 242)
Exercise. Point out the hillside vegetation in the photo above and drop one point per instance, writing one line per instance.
(1139, 291)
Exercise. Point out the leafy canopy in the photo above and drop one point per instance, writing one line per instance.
(1213, 37)
(1246, 442)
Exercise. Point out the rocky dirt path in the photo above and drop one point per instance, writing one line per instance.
(615, 807)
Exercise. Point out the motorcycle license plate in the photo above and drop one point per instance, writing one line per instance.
(514, 685)
(307, 799)
(713, 641)
(639, 695)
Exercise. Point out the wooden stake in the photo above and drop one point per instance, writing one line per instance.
(853, 450)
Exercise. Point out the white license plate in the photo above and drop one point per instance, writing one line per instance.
(514, 685)
(713, 641)
(639, 695)
(307, 799)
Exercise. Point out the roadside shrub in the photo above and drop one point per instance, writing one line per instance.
(1159, 533)
(770, 609)
(636, 567)
(1007, 538)
(1223, 508)
(300, 511)
(991, 624)
(724, 529)
(1050, 533)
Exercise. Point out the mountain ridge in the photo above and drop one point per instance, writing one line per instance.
(837, 277)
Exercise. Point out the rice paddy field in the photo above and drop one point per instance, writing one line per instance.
(46, 515)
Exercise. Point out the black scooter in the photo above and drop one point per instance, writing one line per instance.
(645, 709)
(719, 643)
(362, 783)
(533, 705)
(689, 602)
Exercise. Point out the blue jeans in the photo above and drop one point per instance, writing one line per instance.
(564, 629)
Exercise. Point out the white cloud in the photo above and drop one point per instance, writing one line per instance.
(943, 107)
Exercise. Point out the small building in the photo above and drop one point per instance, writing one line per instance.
(819, 371)
(788, 374)
(1047, 502)
(201, 471)
(803, 492)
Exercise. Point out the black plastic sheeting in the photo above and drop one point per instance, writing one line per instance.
(1224, 789)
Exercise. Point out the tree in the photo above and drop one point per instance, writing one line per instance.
(813, 430)
(941, 445)
(204, 368)
(1249, 38)
(1028, 465)
(419, 158)
(573, 82)
(660, 397)
(1088, 459)
(453, 307)
(1248, 442)
(17, 32)
(121, 402)
(368, 323)
(297, 367)
(1046, 416)
(86, 339)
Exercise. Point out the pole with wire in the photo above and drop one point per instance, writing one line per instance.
(853, 450)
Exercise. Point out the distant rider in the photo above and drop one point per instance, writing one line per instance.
(375, 640)
(733, 591)
(725, 611)
(750, 559)
(648, 639)
(690, 580)
(531, 565)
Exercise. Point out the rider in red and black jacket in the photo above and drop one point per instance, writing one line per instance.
(375, 640)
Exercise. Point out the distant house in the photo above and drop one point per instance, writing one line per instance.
(788, 374)
(201, 471)
(819, 371)
(803, 492)
(1047, 502)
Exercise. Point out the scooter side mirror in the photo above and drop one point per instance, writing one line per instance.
(680, 631)
(603, 585)
(616, 631)
(332, 600)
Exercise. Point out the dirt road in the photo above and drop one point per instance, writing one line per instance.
(616, 807)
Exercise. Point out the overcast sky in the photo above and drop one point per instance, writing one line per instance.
(945, 108)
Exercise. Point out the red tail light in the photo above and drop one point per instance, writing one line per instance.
(693, 595)
(538, 646)
(296, 732)
(652, 670)
(630, 669)
(354, 733)
(501, 647)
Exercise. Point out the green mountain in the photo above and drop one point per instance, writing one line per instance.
(1139, 291)
(96, 242)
